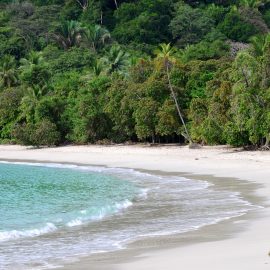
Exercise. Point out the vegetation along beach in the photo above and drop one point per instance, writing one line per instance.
(134, 134)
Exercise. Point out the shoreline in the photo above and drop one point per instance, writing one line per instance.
(245, 249)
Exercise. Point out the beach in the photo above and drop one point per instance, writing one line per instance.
(245, 248)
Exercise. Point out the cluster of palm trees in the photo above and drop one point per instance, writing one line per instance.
(71, 33)
(95, 37)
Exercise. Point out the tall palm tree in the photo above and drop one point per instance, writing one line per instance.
(116, 60)
(96, 36)
(8, 74)
(69, 34)
(165, 54)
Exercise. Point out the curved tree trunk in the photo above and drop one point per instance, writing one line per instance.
(176, 104)
(116, 4)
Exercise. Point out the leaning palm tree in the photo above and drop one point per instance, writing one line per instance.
(116, 60)
(165, 54)
(68, 34)
(96, 36)
(8, 74)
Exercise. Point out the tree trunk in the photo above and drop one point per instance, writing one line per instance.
(116, 4)
(177, 105)
(153, 138)
(101, 17)
(267, 143)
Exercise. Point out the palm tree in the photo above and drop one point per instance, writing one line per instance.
(31, 98)
(260, 44)
(96, 36)
(68, 34)
(33, 59)
(165, 54)
(252, 3)
(34, 70)
(116, 60)
(8, 75)
(97, 67)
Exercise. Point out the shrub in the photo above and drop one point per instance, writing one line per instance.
(43, 133)
(236, 28)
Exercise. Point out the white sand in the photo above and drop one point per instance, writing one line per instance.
(247, 250)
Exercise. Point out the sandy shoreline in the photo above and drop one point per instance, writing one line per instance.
(245, 250)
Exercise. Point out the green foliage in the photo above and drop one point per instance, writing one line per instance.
(237, 28)
(96, 37)
(68, 34)
(266, 17)
(34, 70)
(116, 60)
(10, 100)
(8, 73)
(143, 22)
(145, 117)
(86, 71)
(71, 10)
(72, 59)
(168, 122)
(205, 50)
(89, 121)
(189, 25)
(43, 133)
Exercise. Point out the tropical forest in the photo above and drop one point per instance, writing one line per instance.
(123, 71)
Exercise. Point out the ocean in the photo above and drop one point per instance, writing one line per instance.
(52, 214)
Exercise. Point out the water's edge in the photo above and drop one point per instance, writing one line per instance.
(223, 230)
(212, 232)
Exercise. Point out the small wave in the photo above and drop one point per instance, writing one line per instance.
(123, 205)
(12, 235)
(102, 213)
(75, 222)
(144, 193)
(91, 168)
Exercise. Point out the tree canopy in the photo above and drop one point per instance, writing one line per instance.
(85, 71)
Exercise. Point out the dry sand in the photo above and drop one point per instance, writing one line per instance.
(245, 250)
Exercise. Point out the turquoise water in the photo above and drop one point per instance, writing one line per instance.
(36, 199)
(53, 214)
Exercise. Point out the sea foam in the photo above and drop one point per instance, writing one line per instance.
(101, 213)
(15, 234)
